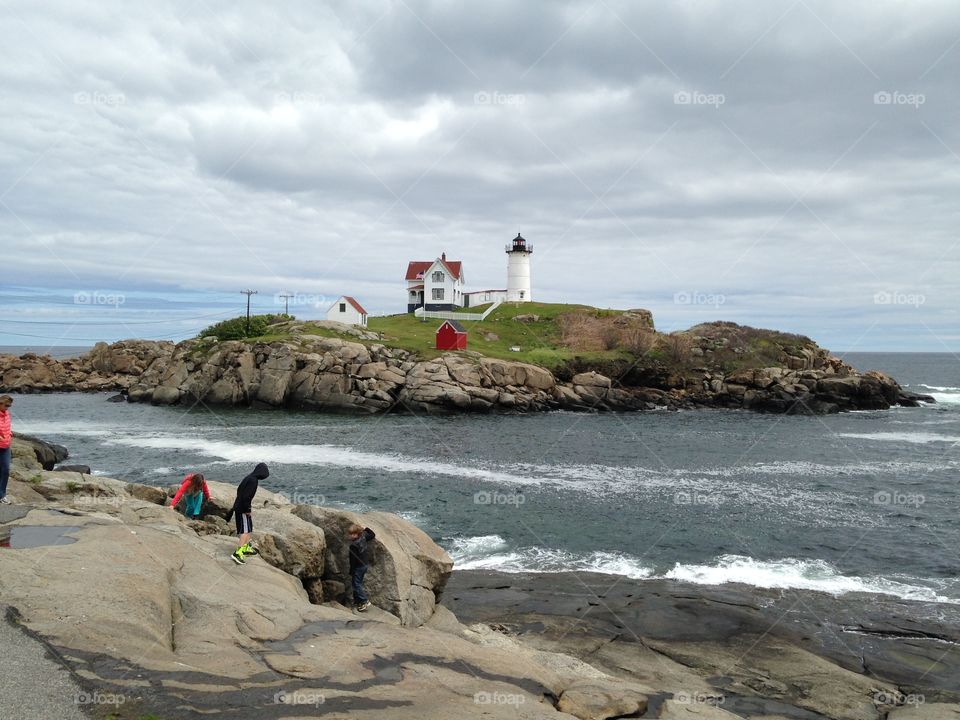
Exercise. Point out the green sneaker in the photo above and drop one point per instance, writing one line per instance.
(248, 549)
(238, 556)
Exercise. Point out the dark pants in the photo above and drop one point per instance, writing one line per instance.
(4, 470)
(359, 594)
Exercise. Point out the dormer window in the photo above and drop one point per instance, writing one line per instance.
(437, 277)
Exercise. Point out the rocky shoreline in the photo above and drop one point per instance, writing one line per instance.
(748, 651)
(338, 375)
(152, 619)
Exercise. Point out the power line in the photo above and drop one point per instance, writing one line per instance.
(117, 322)
(100, 339)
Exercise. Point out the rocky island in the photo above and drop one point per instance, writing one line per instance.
(150, 619)
(586, 360)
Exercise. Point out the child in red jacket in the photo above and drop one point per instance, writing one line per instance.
(194, 491)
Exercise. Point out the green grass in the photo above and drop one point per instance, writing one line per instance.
(539, 342)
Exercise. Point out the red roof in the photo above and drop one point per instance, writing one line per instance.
(416, 268)
(415, 287)
(356, 306)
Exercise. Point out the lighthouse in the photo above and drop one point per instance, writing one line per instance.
(518, 270)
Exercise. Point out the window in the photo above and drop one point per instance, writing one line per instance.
(343, 307)
(438, 293)
(522, 293)
(437, 276)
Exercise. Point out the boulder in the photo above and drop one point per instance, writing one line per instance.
(47, 454)
(294, 545)
(591, 379)
(22, 454)
(408, 571)
(683, 709)
(593, 699)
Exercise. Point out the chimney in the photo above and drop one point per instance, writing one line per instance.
(443, 256)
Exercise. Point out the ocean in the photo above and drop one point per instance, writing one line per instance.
(864, 501)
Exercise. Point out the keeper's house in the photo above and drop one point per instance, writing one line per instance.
(435, 285)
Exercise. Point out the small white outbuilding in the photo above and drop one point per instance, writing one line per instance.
(347, 310)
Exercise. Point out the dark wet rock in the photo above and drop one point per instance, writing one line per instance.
(82, 469)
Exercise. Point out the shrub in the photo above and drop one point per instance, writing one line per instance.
(678, 347)
(236, 328)
(638, 341)
(582, 331)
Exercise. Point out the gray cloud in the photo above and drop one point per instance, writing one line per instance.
(646, 150)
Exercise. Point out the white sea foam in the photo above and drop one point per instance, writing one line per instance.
(802, 575)
(490, 552)
(946, 398)
(317, 455)
(941, 388)
(918, 438)
(540, 560)
(43, 428)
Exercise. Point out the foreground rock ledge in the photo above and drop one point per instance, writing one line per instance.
(146, 606)
(332, 374)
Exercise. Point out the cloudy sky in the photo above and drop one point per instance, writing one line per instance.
(781, 163)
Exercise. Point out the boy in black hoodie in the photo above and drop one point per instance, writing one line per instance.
(359, 560)
(243, 507)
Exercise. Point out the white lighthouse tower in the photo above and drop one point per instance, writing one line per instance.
(518, 270)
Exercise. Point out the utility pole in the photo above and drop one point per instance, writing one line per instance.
(286, 302)
(248, 293)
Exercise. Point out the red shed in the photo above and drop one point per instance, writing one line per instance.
(451, 336)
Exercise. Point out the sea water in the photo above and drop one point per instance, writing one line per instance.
(863, 501)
